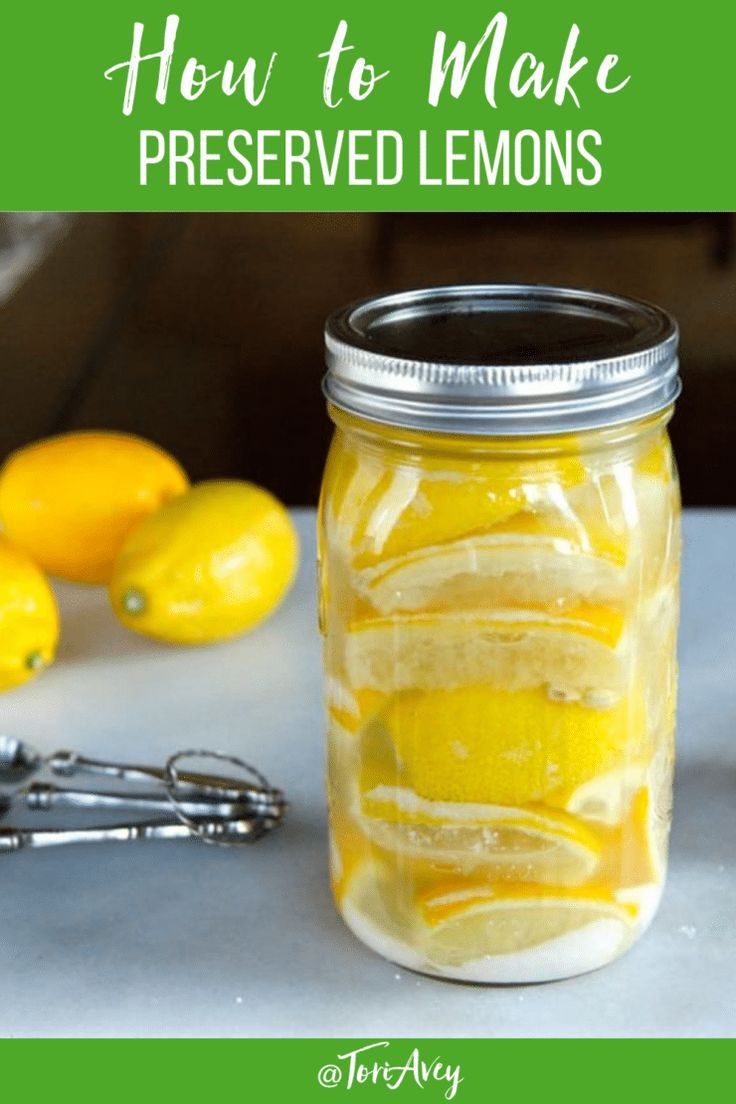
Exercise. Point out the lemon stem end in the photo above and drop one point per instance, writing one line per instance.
(133, 601)
(35, 661)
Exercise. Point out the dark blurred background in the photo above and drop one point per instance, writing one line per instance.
(204, 332)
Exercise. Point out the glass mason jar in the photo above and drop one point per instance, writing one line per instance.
(499, 558)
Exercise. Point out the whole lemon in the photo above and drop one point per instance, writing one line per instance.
(29, 619)
(210, 564)
(70, 501)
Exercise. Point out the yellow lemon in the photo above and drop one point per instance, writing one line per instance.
(71, 501)
(487, 745)
(208, 565)
(29, 620)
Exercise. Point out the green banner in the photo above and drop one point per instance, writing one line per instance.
(532, 105)
(332, 1070)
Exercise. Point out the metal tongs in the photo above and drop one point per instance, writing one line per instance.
(214, 808)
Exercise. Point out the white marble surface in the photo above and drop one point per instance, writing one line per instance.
(181, 939)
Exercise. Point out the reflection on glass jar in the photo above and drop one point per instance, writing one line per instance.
(500, 613)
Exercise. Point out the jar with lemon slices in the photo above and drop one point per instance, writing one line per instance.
(499, 559)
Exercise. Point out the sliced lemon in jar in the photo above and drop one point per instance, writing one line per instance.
(348, 849)
(553, 515)
(512, 649)
(535, 845)
(606, 798)
(435, 510)
(470, 920)
(602, 509)
(630, 515)
(390, 513)
(350, 710)
(383, 512)
(379, 905)
(493, 570)
(636, 849)
(656, 528)
(499, 747)
(361, 486)
(657, 460)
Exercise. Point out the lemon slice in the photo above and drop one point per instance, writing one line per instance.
(640, 844)
(348, 849)
(606, 798)
(518, 844)
(495, 747)
(355, 486)
(342, 707)
(630, 514)
(376, 511)
(658, 534)
(656, 459)
(434, 510)
(594, 927)
(645, 898)
(467, 921)
(381, 910)
(509, 649)
(350, 711)
(494, 569)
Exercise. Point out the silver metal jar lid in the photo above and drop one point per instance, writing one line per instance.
(501, 359)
